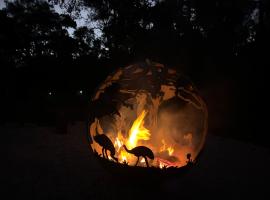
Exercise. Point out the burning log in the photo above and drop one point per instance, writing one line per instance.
(165, 163)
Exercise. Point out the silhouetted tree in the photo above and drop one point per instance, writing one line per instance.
(38, 54)
(172, 30)
(210, 41)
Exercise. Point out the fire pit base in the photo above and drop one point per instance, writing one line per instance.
(148, 174)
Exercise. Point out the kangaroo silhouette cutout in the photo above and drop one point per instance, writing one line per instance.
(106, 144)
(141, 151)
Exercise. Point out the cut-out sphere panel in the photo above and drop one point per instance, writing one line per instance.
(147, 115)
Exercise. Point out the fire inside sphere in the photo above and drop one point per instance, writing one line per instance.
(147, 115)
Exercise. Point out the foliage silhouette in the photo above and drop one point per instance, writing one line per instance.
(216, 43)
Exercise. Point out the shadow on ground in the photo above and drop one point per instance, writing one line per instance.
(42, 164)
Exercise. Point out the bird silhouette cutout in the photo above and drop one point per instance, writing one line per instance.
(141, 151)
(189, 161)
(106, 144)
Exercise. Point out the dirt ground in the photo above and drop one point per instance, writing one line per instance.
(42, 164)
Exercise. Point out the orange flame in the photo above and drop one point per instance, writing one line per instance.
(136, 133)
(164, 147)
(170, 150)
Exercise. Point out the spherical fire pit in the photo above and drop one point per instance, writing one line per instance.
(147, 116)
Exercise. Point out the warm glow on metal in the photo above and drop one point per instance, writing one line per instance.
(157, 118)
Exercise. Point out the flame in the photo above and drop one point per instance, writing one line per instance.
(161, 165)
(164, 147)
(124, 158)
(137, 132)
(118, 143)
(170, 150)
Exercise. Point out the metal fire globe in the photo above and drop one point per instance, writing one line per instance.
(147, 115)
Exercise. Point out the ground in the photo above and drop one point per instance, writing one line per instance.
(43, 164)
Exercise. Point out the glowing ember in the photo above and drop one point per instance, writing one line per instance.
(162, 165)
(165, 163)
(110, 158)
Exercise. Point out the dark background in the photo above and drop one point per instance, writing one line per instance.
(50, 66)
(223, 46)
